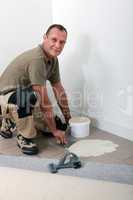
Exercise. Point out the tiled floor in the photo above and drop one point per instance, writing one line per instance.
(49, 149)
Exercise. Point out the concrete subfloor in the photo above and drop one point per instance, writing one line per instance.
(49, 149)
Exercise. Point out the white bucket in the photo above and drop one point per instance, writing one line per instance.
(80, 127)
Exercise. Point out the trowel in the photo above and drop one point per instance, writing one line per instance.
(69, 160)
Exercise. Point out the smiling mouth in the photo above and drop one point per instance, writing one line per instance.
(56, 50)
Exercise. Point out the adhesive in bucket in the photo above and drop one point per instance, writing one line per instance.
(80, 126)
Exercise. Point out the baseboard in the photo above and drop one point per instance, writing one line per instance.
(108, 126)
(115, 129)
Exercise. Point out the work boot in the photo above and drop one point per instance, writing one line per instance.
(7, 128)
(6, 134)
(27, 146)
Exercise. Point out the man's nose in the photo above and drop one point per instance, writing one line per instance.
(58, 45)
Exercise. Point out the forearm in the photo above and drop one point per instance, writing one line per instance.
(63, 104)
(62, 101)
(47, 110)
(50, 120)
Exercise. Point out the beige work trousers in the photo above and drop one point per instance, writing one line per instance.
(26, 126)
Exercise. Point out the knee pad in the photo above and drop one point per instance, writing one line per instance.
(25, 100)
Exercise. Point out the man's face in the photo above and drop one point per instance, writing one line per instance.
(54, 42)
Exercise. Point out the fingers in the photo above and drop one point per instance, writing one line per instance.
(65, 140)
(60, 138)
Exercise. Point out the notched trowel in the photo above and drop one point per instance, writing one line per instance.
(69, 160)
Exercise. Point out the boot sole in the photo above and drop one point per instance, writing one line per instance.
(27, 151)
(4, 135)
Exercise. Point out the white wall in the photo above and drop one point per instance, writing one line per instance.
(97, 61)
(96, 64)
(22, 24)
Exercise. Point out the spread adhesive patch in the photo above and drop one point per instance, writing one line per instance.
(91, 147)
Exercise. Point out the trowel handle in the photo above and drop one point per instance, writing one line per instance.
(62, 160)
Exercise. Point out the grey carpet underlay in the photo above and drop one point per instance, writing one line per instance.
(92, 170)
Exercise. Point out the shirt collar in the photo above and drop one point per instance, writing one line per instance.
(47, 60)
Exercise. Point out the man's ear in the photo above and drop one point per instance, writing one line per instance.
(44, 36)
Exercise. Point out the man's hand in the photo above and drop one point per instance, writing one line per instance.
(60, 136)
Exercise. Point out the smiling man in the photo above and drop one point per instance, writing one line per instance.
(23, 84)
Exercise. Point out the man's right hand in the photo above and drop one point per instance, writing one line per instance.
(60, 136)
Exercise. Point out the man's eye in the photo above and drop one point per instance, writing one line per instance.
(62, 42)
(53, 40)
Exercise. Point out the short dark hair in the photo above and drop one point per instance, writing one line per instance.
(58, 26)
